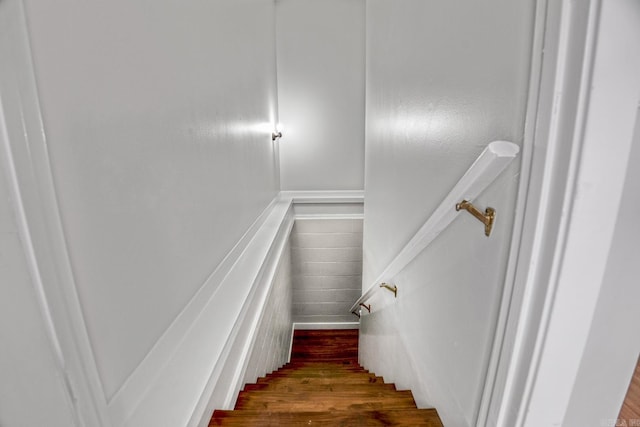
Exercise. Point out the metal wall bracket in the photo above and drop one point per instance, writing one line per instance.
(356, 313)
(368, 307)
(487, 218)
(393, 288)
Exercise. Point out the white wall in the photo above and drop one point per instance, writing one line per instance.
(326, 261)
(320, 51)
(443, 80)
(158, 121)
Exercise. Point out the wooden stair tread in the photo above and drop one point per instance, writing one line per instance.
(324, 401)
(325, 345)
(389, 417)
(317, 387)
(305, 362)
(354, 379)
(314, 374)
(320, 365)
(324, 385)
(362, 392)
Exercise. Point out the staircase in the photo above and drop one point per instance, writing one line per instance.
(324, 385)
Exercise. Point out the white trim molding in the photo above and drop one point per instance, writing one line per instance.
(325, 325)
(35, 199)
(341, 196)
(586, 113)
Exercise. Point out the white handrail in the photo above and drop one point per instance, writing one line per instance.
(491, 162)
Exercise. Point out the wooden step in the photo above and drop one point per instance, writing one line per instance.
(353, 393)
(325, 401)
(331, 398)
(325, 345)
(319, 373)
(316, 387)
(390, 417)
(324, 385)
(355, 379)
(308, 362)
(320, 365)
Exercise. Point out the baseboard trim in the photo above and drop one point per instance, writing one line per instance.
(325, 325)
(293, 328)
(304, 216)
(344, 196)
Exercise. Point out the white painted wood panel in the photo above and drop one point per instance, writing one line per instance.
(271, 349)
(326, 282)
(326, 256)
(318, 308)
(324, 295)
(324, 226)
(326, 239)
(311, 268)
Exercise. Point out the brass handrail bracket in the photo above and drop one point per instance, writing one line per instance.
(393, 288)
(368, 307)
(487, 218)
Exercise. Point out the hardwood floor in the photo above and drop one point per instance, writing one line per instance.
(323, 385)
(325, 345)
(630, 410)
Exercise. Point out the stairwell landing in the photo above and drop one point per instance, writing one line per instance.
(324, 385)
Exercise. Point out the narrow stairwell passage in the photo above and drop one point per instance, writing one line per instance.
(324, 385)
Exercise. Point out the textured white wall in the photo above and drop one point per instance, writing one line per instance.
(320, 50)
(444, 78)
(326, 264)
(271, 348)
(158, 120)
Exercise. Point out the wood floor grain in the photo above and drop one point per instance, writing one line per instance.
(324, 385)
(630, 410)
